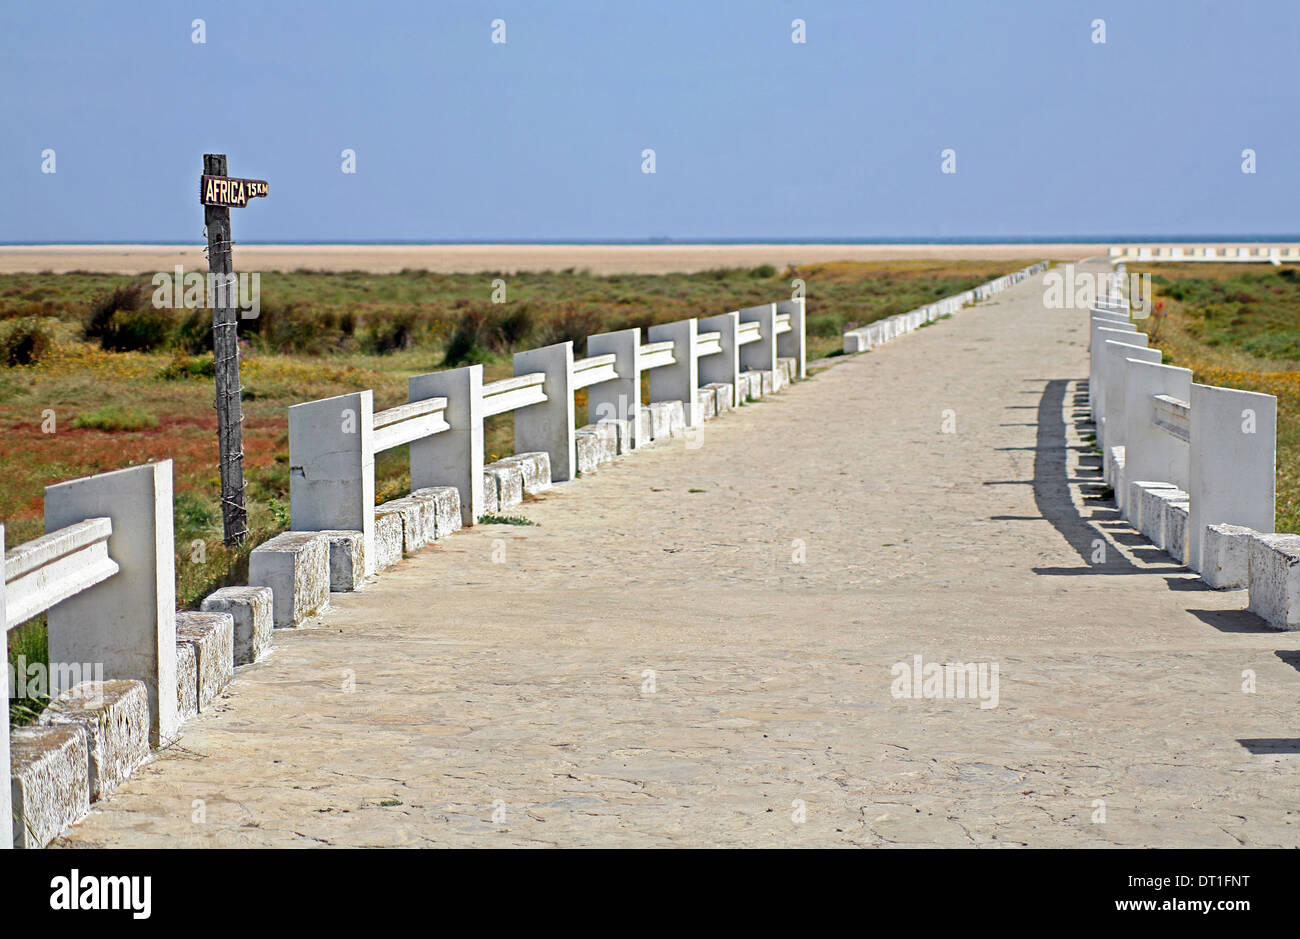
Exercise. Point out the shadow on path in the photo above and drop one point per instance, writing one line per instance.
(1053, 498)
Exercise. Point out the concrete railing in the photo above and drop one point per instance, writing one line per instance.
(105, 576)
(1192, 466)
(1273, 254)
(866, 337)
(333, 442)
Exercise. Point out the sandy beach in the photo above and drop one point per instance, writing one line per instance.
(472, 258)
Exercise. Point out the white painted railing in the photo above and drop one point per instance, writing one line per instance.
(866, 337)
(1179, 456)
(1254, 254)
(105, 576)
(333, 442)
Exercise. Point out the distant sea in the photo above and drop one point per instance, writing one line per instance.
(828, 240)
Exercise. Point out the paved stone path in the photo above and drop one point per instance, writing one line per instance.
(521, 688)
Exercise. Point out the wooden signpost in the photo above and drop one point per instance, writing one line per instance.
(219, 193)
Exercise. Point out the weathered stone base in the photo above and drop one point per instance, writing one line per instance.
(791, 368)
(388, 538)
(510, 483)
(536, 467)
(187, 681)
(667, 419)
(606, 438)
(1275, 579)
(347, 564)
(1176, 529)
(50, 781)
(212, 635)
(706, 402)
(442, 506)
(587, 450)
(622, 430)
(115, 717)
(491, 497)
(250, 607)
(724, 396)
(296, 566)
(415, 534)
(1225, 556)
(1143, 496)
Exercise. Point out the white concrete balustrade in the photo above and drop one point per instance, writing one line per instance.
(333, 442)
(1192, 467)
(104, 573)
(1256, 254)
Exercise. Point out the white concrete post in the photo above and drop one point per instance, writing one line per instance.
(6, 807)
(724, 367)
(679, 381)
(332, 467)
(453, 457)
(549, 425)
(619, 399)
(1096, 390)
(1113, 353)
(1232, 461)
(760, 355)
(1149, 452)
(126, 624)
(791, 345)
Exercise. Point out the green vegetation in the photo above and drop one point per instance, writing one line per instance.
(493, 519)
(115, 417)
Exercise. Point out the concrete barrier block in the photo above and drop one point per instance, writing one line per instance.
(250, 608)
(296, 566)
(779, 378)
(388, 538)
(417, 531)
(607, 438)
(622, 432)
(1154, 502)
(536, 467)
(187, 680)
(491, 495)
(668, 419)
(1176, 530)
(1133, 504)
(724, 395)
(1274, 572)
(1225, 556)
(115, 717)
(510, 483)
(790, 367)
(644, 426)
(442, 505)
(706, 402)
(213, 637)
(49, 781)
(588, 447)
(753, 385)
(347, 567)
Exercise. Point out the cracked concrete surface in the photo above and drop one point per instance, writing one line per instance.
(459, 702)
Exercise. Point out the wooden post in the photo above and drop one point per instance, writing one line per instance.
(225, 354)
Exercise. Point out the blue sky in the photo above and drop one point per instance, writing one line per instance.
(458, 138)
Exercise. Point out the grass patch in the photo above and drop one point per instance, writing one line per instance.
(115, 417)
(493, 519)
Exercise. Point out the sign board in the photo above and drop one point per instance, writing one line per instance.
(230, 191)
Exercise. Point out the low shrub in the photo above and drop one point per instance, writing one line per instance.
(25, 341)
